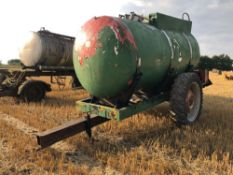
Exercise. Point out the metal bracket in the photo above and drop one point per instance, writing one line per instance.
(125, 97)
(88, 126)
(185, 14)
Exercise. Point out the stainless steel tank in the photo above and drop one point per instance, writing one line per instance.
(47, 49)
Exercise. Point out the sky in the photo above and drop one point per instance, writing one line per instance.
(212, 19)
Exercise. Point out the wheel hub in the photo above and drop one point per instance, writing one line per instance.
(193, 101)
(190, 100)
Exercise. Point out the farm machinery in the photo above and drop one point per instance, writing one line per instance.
(42, 53)
(129, 64)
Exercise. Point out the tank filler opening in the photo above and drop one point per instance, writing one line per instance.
(134, 17)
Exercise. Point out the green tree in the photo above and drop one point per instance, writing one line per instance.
(226, 62)
(205, 63)
(221, 62)
(14, 62)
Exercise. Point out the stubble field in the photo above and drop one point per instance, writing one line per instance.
(148, 143)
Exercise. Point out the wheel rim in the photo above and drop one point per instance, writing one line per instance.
(193, 102)
(2, 78)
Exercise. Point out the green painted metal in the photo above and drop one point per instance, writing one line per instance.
(119, 114)
(165, 22)
(164, 46)
(96, 73)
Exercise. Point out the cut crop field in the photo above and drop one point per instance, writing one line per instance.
(147, 143)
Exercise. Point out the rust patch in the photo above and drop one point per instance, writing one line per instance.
(130, 82)
(92, 29)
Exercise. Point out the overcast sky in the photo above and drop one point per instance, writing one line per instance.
(212, 19)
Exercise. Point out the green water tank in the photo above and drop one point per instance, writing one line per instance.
(109, 50)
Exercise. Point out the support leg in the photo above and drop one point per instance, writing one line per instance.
(88, 126)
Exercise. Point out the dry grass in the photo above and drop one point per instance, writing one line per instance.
(148, 143)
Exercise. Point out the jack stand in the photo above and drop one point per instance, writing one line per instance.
(88, 126)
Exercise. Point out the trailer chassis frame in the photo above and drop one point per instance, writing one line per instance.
(98, 112)
(95, 114)
(17, 75)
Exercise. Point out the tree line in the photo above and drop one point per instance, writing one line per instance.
(220, 62)
(12, 62)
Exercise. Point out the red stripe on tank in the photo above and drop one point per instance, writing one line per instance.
(92, 29)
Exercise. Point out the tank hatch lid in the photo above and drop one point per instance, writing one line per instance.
(165, 22)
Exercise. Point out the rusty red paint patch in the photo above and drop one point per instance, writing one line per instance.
(130, 81)
(92, 29)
